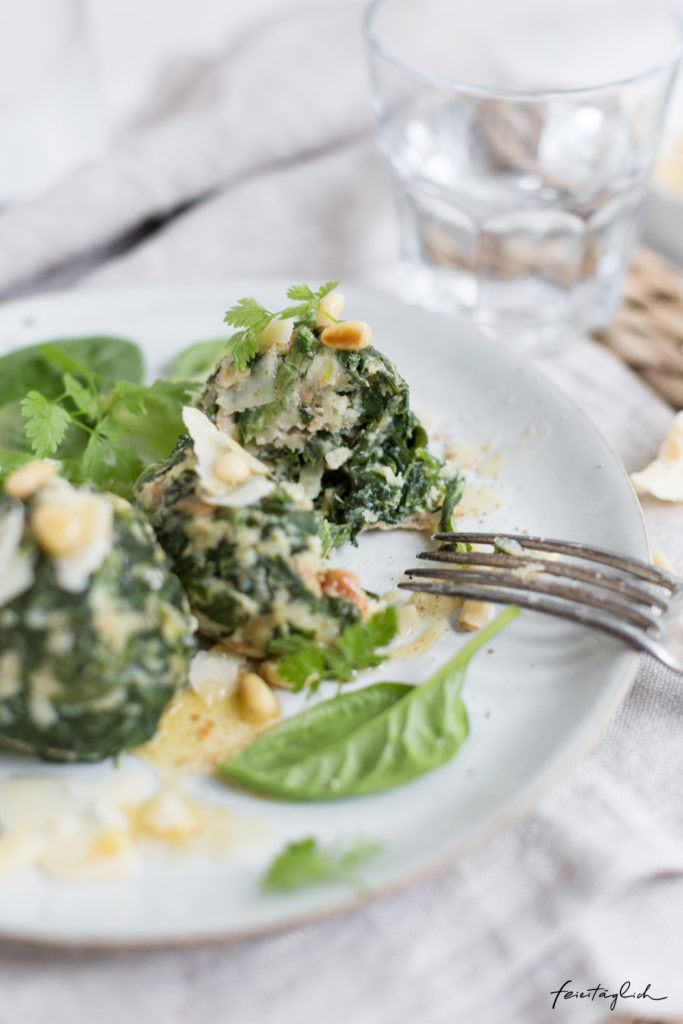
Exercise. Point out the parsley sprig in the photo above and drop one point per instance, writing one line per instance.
(252, 317)
(305, 664)
(306, 863)
(101, 433)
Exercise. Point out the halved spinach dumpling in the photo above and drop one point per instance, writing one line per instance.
(96, 633)
(246, 548)
(325, 410)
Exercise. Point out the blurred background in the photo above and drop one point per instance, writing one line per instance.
(175, 101)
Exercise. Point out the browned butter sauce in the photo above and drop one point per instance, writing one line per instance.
(195, 734)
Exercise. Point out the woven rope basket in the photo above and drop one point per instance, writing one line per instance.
(648, 331)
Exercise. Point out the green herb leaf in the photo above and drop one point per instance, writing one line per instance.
(40, 367)
(111, 466)
(365, 741)
(249, 313)
(454, 493)
(306, 863)
(243, 347)
(46, 423)
(84, 398)
(306, 665)
(305, 668)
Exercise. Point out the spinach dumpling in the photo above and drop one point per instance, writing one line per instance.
(96, 633)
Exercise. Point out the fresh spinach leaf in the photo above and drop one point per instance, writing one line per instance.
(63, 399)
(197, 361)
(40, 367)
(366, 741)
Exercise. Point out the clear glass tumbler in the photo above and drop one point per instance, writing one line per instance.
(521, 136)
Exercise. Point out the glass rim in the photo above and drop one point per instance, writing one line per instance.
(500, 92)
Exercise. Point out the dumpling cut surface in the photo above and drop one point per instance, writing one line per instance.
(341, 418)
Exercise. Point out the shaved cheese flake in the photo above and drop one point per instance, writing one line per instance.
(660, 560)
(19, 849)
(16, 567)
(215, 673)
(210, 444)
(258, 388)
(663, 478)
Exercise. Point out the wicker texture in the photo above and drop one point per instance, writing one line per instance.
(648, 331)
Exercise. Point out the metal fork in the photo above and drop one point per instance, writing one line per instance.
(629, 599)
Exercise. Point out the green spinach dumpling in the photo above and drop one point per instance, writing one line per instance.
(95, 631)
(324, 409)
(246, 548)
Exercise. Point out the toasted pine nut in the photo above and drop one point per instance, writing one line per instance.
(408, 619)
(61, 531)
(258, 700)
(475, 614)
(268, 670)
(231, 468)
(28, 479)
(195, 507)
(345, 584)
(349, 335)
(331, 308)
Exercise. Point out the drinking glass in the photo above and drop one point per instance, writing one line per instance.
(520, 136)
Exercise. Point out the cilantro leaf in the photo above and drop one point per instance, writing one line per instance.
(305, 668)
(46, 423)
(249, 313)
(309, 300)
(304, 664)
(381, 628)
(243, 346)
(253, 317)
(305, 863)
(302, 292)
(85, 398)
(131, 396)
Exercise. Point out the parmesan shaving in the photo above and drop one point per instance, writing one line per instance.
(209, 445)
(663, 478)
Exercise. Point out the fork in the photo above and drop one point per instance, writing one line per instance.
(625, 597)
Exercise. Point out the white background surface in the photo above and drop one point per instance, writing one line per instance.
(274, 137)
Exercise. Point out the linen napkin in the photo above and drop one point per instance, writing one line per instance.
(586, 889)
(289, 88)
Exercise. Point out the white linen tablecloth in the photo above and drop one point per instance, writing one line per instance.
(268, 153)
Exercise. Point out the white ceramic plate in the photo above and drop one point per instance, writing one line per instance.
(535, 703)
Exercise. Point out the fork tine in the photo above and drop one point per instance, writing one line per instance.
(569, 590)
(586, 616)
(564, 569)
(566, 547)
